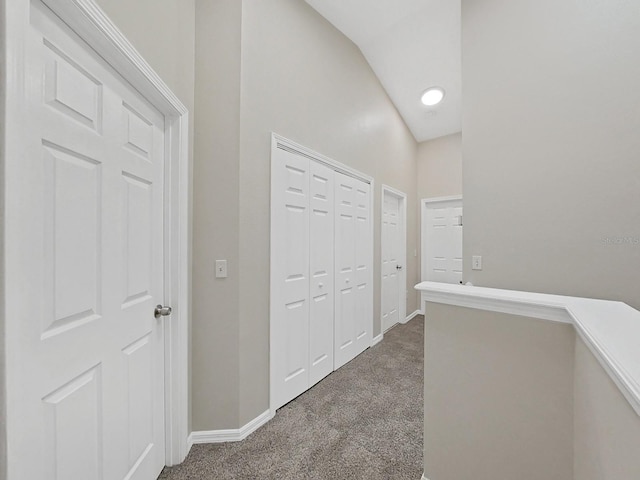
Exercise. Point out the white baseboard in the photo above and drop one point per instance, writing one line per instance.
(412, 316)
(377, 340)
(231, 435)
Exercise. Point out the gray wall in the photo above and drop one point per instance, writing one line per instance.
(216, 353)
(3, 409)
(550, 148)
(498, 396)
(300, 77)
(163, 32)
(607, 429)
(514, 397)
(439, 164)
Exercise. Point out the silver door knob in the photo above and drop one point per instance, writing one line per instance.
(321, 285)
(161, 311)
(398, 267)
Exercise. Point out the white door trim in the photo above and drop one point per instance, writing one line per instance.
(99, 32)
(426, 201)
(424, 204)
(402, 303)
(280, 142)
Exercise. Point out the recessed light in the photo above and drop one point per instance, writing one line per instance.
(432, 96)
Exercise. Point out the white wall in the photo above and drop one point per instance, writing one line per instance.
(439, 163)
(550, 148)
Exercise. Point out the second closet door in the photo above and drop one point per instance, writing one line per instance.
(353, 254)
(321, 271)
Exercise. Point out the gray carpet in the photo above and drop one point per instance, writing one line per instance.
(364, 421)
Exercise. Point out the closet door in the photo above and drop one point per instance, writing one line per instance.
(353, 310)
(363, 264)
(321, 272)
(289, 276)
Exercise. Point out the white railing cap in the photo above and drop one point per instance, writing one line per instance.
(610, 329)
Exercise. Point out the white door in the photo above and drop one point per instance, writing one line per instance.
(290, 276)
(364, 268)
(321, 310)
(354, 306)
(442, 241)
(321, 271)
(392, 263)
(91, 403)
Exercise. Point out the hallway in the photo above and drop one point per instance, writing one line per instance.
(364, 421)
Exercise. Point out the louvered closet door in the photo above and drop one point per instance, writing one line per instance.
(353, 310)
(322, 272)
(290, 276)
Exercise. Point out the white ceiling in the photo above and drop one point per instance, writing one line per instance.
(411, 45)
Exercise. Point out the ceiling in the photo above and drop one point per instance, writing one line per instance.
(411, 45)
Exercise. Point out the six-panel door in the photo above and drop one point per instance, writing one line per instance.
(321, 247)
(442, 245)
(92, 354)
(353, 253)
(390, 252)
(290, 276)
(321, 251)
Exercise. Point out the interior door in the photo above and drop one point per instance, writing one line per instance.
(391, 261)
(321, 271)
(353, 302)
(364, 267)
(290, 276)
(91, 403)
(442, 242)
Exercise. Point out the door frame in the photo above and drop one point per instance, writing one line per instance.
(402, 287)
(283, 143)
(425, 203)
(88, 20)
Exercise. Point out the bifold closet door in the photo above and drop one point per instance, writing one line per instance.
(290, 276)
(353, 257)
(322, 272)
(302, 267)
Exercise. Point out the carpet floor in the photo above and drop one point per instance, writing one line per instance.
(364, 421)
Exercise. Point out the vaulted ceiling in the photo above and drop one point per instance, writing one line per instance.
(411, 45)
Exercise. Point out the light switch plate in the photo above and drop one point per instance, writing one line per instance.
(476, 262)
(221, 269)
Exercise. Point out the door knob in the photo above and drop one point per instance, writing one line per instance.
(321, 285)
(161, 311)
(398, 267)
